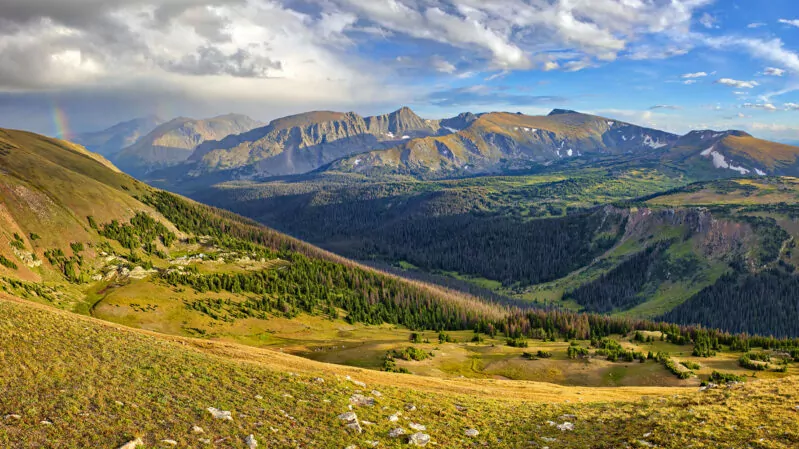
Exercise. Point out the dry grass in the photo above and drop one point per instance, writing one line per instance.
(71, 370)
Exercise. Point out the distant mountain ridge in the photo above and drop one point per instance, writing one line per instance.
(304, 142)
(112, 140)
(173, 142)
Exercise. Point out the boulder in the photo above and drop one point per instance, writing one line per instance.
(398, 432)
(472, 433)
(197, 429)
(417, 427)
(565, 426)
(250, 441)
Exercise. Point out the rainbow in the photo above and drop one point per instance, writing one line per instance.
(61, 123)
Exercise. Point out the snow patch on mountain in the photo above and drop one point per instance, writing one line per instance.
(719, 161)
(655, 144)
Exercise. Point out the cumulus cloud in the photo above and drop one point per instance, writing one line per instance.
(737, 83)
(791, 22)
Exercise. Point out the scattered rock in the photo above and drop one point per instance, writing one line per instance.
(568, 417)
(419, 439)
(46, 422)
(259, 397)
(170, 442)
(394, 417)
(417, 427)
(319, 380)
(549, 440)
(250, 442)
(398, 432)
(351, 421)
(197, 429)
(460, 408)
(377, 394)
(220, 414)
(119, 403)
(356, 382)
(410, 408)
(472, 433)
(373, 443)
(13, 416)
(645, 443)
(205, 440)
(566, 426)
(132, 444)
(351, 446)
(367, 423)
(361, 400)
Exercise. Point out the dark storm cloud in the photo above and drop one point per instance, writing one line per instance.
(212, 61)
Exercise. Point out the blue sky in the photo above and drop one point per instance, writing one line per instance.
(672, 64)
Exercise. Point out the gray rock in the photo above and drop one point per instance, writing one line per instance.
(417, 427)
(398, 432)
(197, 429)
(410, 408)
(170, 442)
(13, 416)
(361, 400)
(419, 439)
(565, 426)
(472, 433)
(351, 421)
(394, 417)
(250, 442)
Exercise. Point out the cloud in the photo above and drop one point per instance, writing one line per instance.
(708, 21)
(689, 82)
(791, 22)
(773, 71)
(443, 66)
(764, 106)
(756, 25)
(498, 75)
(664, 106)
(791, 106)
(694, 75)
(737, 83)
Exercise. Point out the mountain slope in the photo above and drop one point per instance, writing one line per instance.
(304, 142)
(173, 142)
(501, 141)
(714, 154)
(111, 141)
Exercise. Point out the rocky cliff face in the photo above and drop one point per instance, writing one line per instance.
(305, 142)
(173, 142)
(499, 141)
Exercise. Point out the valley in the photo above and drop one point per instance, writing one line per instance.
(577, 271)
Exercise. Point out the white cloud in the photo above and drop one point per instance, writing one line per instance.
(498, 75)
(443, 66)
(689, 82)
(791, 22)
(737, 83)
(791, 106)
(708, 21)
(694, 75)
(764, 106)
(756, 25)
(550, 65)
(773, 71)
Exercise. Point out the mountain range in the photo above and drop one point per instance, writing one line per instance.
(231, 147)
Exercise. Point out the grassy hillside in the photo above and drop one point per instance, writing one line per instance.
(84, 383)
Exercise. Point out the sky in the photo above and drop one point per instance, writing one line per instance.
(70, 66)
